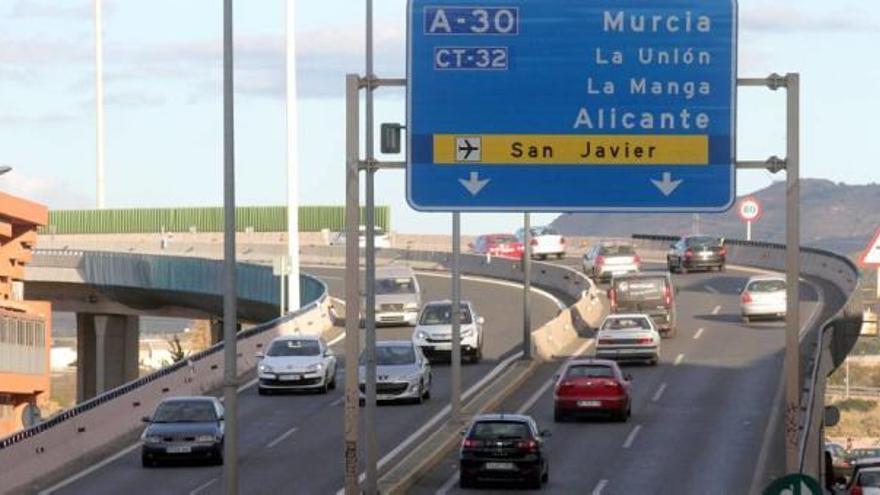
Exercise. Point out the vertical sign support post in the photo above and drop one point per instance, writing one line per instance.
(456, 318)
(293, 297)
(352, 292)
(230, 295)
(749, 230)
(792, 269)
(527, 286)
(372, 449)
(99, 103)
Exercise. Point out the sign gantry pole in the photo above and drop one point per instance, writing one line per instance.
(791, 363)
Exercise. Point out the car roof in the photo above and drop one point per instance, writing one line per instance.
(591, 361)
(394, 343)
(297, 336)
(394, 271)
(642, 275)
(444, 302)
(766, 277)
(189, 398)
(502, 417)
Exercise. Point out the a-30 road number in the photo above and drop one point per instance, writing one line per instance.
(471, 20)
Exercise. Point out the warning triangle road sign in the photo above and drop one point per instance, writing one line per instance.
(871, 256)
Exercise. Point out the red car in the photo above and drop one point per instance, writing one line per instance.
(588, 387)
(503, 245)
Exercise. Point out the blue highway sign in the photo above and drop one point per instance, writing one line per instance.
(571, 105)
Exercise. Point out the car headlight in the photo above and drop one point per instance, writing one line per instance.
(265, 368)
(411, 307)
(152, 439)
(315, 367)
(206, 438)
(421, 335)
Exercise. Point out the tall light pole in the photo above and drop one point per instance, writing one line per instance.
(292, 164)
(99, 104)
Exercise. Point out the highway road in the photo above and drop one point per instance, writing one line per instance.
(700, 418)
(293, 443)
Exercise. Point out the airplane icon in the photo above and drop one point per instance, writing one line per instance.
(468, 149)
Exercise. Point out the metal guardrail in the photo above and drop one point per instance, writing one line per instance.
(141, 382)
(857, 391)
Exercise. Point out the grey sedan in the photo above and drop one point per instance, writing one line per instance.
(402, 373)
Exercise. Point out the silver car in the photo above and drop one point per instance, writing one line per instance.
(763, 297)
(402, 373)
(398, 296)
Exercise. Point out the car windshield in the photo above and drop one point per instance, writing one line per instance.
(639, 290)
(622, 250)
(392, 355)
(869, 479)
(589, 371)
(703, 242)
(502, 239)
(767, 286)
(395, 286)
(491, 430)
(441, 314)
(181, 411)
(294, 348)
(626, 324)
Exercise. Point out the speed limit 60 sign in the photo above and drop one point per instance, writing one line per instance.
(750, 209)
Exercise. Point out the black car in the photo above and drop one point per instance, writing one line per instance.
(189, 428)
(696, 253)
(504, 448)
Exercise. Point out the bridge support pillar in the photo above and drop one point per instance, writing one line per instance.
(107, 352)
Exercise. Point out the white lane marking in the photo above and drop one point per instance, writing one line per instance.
(632, 437)
(448, 485)
(599, 487)
(678, 359)
(246, 386)
(337, 401)
(716, 310)
(431, 423)
(281, 438)
(90, 469)
(699, 333)
(711, 289)
(204, 485)
(525, 406)
(659, 392)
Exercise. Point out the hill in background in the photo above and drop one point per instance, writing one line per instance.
(834, 216)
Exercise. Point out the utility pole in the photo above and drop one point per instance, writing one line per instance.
(99, 104)
(293, 297)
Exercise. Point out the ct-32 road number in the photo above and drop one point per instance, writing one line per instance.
(470, 58)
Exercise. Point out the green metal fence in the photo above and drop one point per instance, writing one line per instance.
(147, 220)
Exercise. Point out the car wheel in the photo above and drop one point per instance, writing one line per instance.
(362, 402)
(654, 360)
(681, 268)
(333, 381)
(478, 354)
(218, 456)
(263, 391)
(559, 256)
(421, 398)
(747, 320)
(558, 417)
(721, 268)
(427, 393)
(326, 386)
(536, 482)
(546, 476)
(147, 462)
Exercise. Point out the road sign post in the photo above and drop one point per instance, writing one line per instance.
(749, 210)
(527, 286)
(558, 105)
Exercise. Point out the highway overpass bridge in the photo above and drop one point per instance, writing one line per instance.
(706, 418)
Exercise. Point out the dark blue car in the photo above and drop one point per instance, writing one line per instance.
(189, 428)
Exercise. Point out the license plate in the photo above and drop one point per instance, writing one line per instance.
(291, 378)
(589, 403)
(500, 466)
(180, 449)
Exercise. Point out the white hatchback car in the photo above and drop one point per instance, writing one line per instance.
(628, 337)
(296, 362)
(433, 333)
(763, 297)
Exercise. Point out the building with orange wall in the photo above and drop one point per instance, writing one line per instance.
(25, 326)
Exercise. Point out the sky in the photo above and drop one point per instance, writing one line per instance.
(163, 68)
